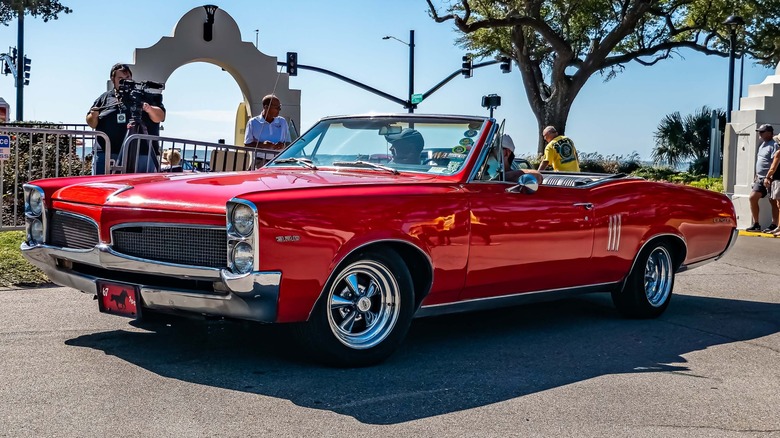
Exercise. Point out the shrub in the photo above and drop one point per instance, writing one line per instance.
(597, 163)
(714, 184)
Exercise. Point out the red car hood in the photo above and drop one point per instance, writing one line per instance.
(208, 193)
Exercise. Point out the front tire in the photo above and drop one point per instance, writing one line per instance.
(364, 312)
(648, 287)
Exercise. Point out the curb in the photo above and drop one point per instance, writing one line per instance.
(756, 234)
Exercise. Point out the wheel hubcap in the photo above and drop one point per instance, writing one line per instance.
(658, 277)
(363, 304)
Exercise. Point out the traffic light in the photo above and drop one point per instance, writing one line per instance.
(26, 71)
(6, 65)
(506, 65)
(467, 68)
(13, 55)
(292, 63)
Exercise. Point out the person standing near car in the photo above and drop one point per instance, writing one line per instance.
(764, 157)
(772, 184)
(560, 152)
(108, 115)
(269, 130)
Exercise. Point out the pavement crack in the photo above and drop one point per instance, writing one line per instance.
(747, 268)
(721, 335)
(722, 429)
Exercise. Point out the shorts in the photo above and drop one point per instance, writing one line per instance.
(774, 191)
(758, 186)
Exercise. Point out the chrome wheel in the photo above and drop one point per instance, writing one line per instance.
(363, 304)
(658, 277)
(647, 290)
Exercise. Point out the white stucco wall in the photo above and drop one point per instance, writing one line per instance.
(761, 105)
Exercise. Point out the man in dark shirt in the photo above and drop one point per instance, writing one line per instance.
(111, 117)
(406, 146)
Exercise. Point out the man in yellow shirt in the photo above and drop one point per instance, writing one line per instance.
(559, 152)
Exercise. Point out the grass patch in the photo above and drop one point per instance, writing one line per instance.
(14, 269)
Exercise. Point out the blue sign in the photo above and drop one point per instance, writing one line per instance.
(5, 147)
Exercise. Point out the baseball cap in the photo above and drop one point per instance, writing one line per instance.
(507, 143)
(765, 127)
(407, 137)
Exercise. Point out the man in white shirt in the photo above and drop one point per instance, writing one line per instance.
(268, 130)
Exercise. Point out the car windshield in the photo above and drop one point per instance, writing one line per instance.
(438, 145)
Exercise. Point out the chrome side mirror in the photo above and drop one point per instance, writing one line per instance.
(527, 184)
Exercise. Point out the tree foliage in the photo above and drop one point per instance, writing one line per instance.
(680, 139)
(559, 44)
(46, 9)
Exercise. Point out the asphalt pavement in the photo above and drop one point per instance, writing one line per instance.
(708, 367)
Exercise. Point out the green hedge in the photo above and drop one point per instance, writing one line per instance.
(597, 163)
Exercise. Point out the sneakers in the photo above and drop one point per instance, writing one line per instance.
(756, 227)
(770, 229)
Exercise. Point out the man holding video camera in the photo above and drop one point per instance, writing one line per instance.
(113, 111)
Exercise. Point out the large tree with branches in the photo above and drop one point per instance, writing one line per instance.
(46, 9)
(559, 44)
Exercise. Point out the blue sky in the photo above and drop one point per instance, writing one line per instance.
(71, 57)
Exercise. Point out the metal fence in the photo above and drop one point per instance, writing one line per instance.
(197, 156)
(37, 153)
(66, 150)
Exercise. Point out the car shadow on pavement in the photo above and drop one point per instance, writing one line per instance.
(449, 363)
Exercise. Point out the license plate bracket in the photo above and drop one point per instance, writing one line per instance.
(118, 299)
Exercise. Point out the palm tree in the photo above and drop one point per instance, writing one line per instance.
(679, 139)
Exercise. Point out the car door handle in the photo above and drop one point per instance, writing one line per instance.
(587, 205)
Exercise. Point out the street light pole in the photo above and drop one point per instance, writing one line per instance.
(411, 65)
(732, 22)
(411, 70)
(20, 68)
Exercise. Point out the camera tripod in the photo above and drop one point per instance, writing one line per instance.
(127, 160)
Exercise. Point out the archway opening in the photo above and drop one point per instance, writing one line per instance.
(201, 101)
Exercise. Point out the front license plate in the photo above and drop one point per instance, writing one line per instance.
(118, 299)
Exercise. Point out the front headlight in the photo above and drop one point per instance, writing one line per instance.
(243, 258)
(243, 219)
(35, 230)
(35, 202)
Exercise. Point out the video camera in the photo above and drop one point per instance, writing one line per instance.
(133, 94)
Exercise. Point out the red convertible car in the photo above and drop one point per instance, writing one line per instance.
(353, 249)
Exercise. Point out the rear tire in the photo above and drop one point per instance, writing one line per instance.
(648, 287)
(363, 313)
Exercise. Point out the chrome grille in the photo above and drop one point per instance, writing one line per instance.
(195, 246)
(70, 231)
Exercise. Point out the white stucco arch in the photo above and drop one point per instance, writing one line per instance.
(254, 72)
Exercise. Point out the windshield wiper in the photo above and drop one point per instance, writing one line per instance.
(366, 164)
(303, 161)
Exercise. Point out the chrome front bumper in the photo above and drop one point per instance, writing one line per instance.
(252, 296)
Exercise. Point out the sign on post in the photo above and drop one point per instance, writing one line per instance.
(417, 98)
(5, 147)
